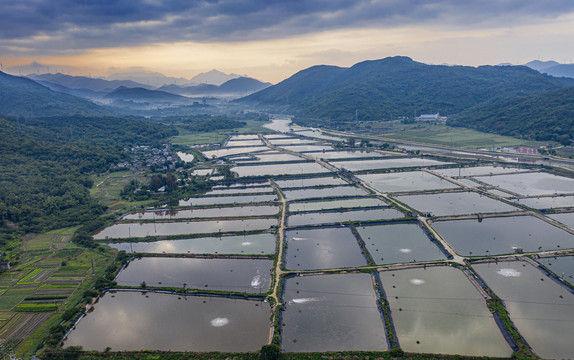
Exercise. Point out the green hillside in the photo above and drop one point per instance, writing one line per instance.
(22, 96)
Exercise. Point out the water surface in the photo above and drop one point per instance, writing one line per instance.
(218, 200)
(358, 165)
(458, 203)
(236, 244)
(242, 275)
(336, 204)
(565, 218)
(540, 308)
(263, 210)
(331, 313)
(399, 243)
(437, 310)
(502, 235)
(562, 266)
(140, 230)
(343, 216)
(279, 169)
(531, 183)
(323, 192)
(547, 202)
(322, 248)
(406, 181)
(308, 182)
(128, 321)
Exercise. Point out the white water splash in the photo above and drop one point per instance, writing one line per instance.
(256, 281)
(405, 251)
(299, 239)
(417, 281)
(305, 300)
(219, 322)
(509, 272)
(246, 243)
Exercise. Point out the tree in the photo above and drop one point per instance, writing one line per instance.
(270, 352)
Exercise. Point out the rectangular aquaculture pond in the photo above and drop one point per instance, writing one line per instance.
(406, 181)
(336, 204)
(358, 165)
(279, 169)
(355, 215)
(562, 266)
(219, 200)
(456, 203)
(255, 244)
(437, 310)
(531, 184)
(502, 235)
(308, 182)
(140, 230)
(565, 218)
(240, 275)
(335, 191)
(331, 313)
(344, 154)
(549, 202)
(128, 321)
(540, 308)
(232, 151)
(264, 210)
(478, 171)
(322, 248)
(240, 191)
(399, 243)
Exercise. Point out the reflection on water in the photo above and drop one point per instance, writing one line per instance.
(563, 267)
(397, 243)
(203, 213)
(140, 230)
(331, 313)
(437, 310)
(133, 321)
(336, 204)
(532, 183)
(323, 192)
(502, 235)
(243, 275)
(358, 165)
(237, 244)
(337, 217)
(459, 203)
(540, 308)
(322, 249)
(565, 218)
(406, 181)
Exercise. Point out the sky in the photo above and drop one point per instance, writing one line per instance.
(272, 39)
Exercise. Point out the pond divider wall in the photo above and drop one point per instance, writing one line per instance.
(385, 310)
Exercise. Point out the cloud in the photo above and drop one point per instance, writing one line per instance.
(30, 27)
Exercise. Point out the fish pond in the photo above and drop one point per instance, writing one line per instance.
(565, 218)
(455, 203)
(531, 184)
(547, 202)
(406, 181)
(220, 200)
(478, 171)
(502, 235)
(279, 169)
(437, 310)
(140, 230)
(359, 165)
(323, 248)
(540, 308)
(264, 210)
(331, 313)
(128, 320)
(309, 182)
(328, 217)
(255, 244)
(240, 275)
(562, 266)
(336, 204)
(399, 243)
(326, 192)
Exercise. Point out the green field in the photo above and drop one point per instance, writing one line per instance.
(457, 137)
(107, 188)
(186, 137)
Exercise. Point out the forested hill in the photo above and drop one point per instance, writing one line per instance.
(22, 96)
(398, 86)
(548, 116)
(45, 166)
